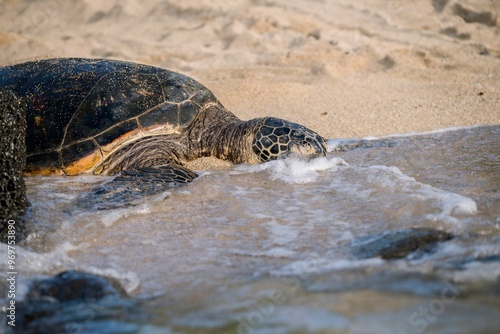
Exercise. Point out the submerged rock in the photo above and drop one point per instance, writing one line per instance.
(71, 286)
(398, 244)
(68, 302)
(12, 161)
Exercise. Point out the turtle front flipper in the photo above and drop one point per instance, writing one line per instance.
(134, 183)
(156, 175)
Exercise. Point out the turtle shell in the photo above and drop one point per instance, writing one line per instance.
(79, 111)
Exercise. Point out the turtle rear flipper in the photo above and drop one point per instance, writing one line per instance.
(134, 183)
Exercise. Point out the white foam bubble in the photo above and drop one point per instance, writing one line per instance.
(45, 262)
(452, 205)
(431, 132)
(336, 142)
(294, 169)
(448, 206)
(456, 205)
(33, 264)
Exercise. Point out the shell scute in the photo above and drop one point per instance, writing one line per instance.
(164, 117)
(117, 97)
(178, 87)
(111, 138)
(203, 97)
(35, 163)
(77, 150)
(187, 112)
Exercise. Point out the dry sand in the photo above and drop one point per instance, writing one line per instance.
(343, 68)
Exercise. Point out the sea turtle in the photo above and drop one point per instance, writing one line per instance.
(104, 116)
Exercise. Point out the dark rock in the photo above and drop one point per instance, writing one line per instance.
(75, 286)
(72, 299)
(13, 199)
(398, 244)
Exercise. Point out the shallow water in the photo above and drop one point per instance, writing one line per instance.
(268, 248)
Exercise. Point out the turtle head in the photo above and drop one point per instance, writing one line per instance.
(276, 138)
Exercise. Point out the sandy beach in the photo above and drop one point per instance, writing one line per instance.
(342, 68)
(403, 236)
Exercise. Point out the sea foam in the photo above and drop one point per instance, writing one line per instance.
(294, 169)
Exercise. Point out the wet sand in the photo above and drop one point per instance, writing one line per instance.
(342, 68)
